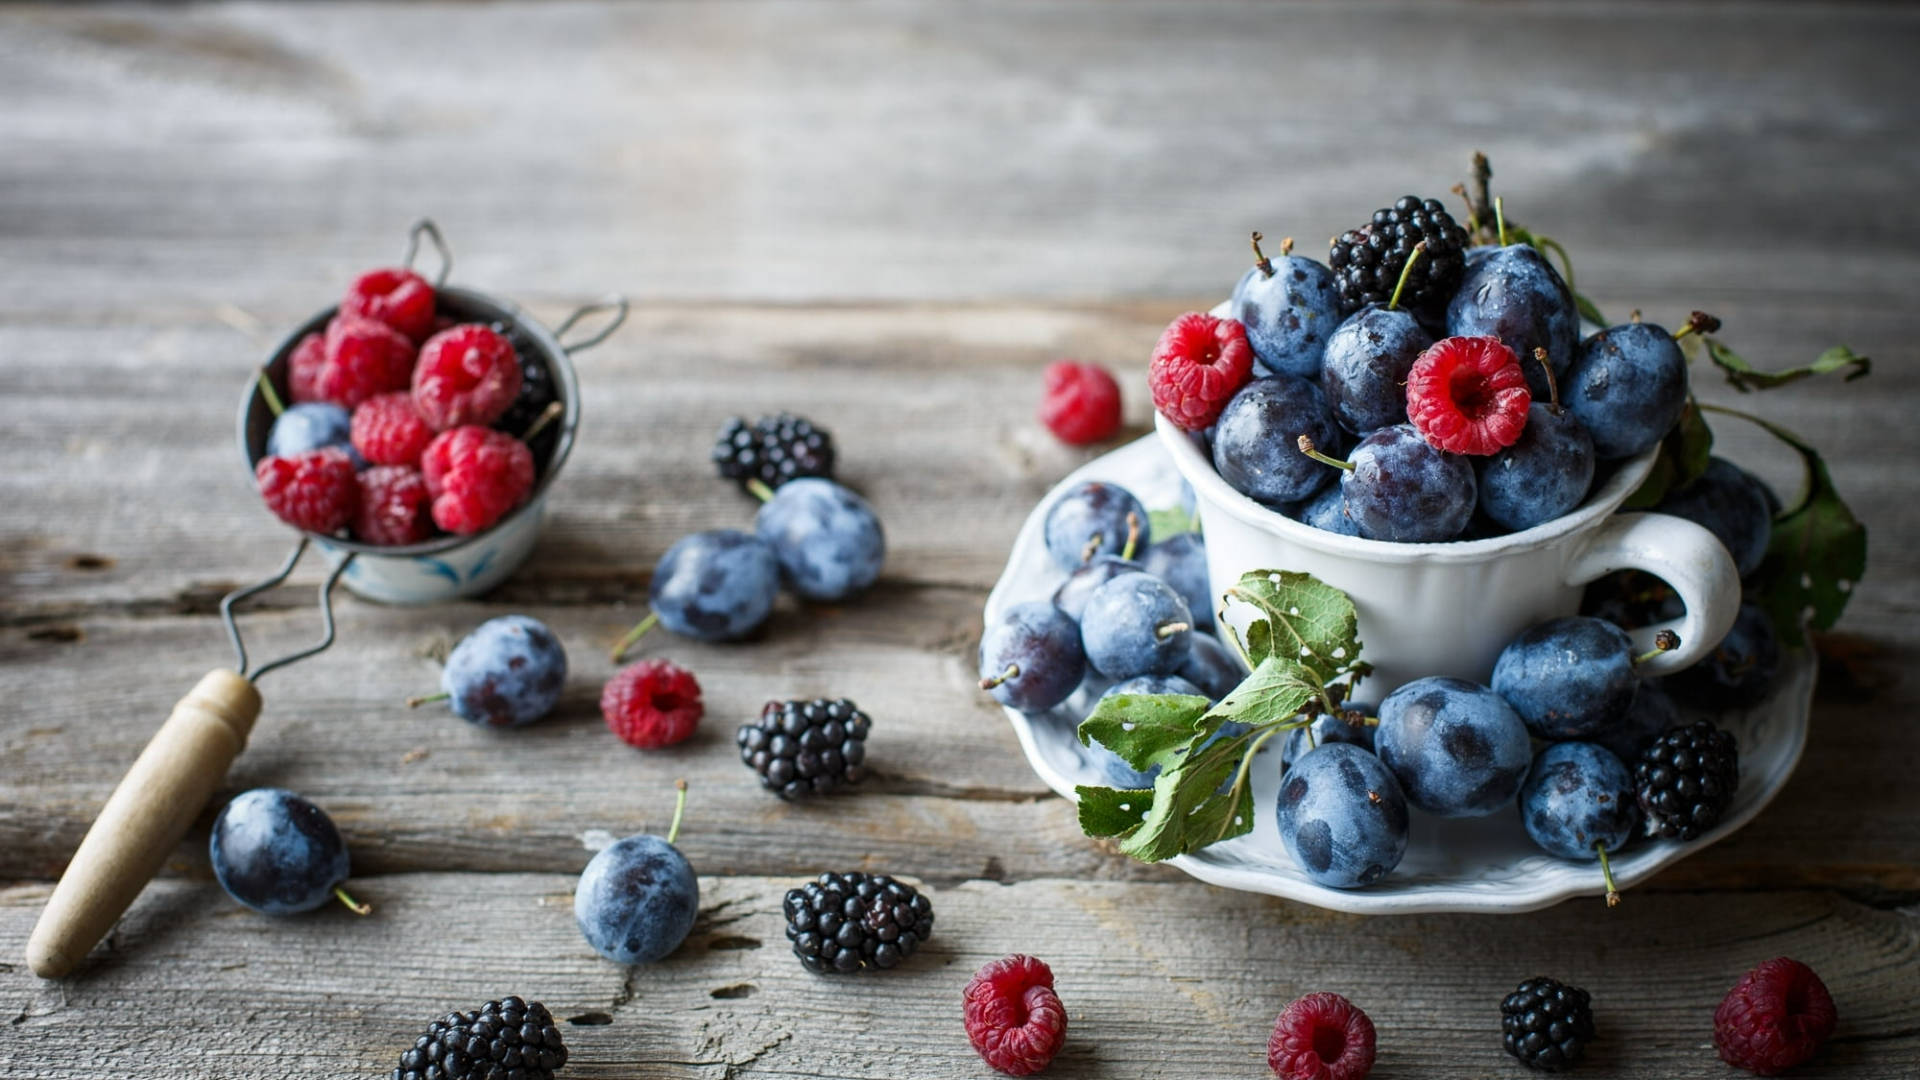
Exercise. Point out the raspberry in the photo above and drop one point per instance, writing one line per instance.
(1468, 395)
(475, 476)
(652, 704)
(466, 375)
(1321, 1037)
(1014, 1019)
(389, 430)
(1199, 363)
(1081, 404)
(364, 358)
(393, 506)
(303, 368)
(1775, 1018)
(315, 491)
(399, 298)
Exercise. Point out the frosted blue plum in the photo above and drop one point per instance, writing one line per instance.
(1457, 749)
(1739, 672)
(312, 425)
(636, 900)
(828, 540)
(1578, 797)
(1402, 489)
(1181, 562)
(1364, 372)
(1328, 728)
(1628, 385)
(1030, 658)
(1731, 504)
(1211, 667)
(1514, 294)
(1256, 443)
(1342, 816)
(1568, 678)
(1289, 306)
(1651, 713)
(1136, 625)
(717, 585)
(508, 672)
(1327, 512)
(1542, 475)
(277, 853)
(1094, 519)
(1071, 596)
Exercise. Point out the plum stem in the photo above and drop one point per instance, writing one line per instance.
(1553, 385)
(1012, 672)
(679, 809)
(416, 702)
(758, 489)
(1500, 219)
(267, 391)
(1698, 322)
(1606, 873)
(1260, 257)
(547, 416)
(1664, 641)
(1133, 535)
(639, 630)
(1168, 629)
(353, 905)
(1406, 270)
(1473, 219)
(1306, 447)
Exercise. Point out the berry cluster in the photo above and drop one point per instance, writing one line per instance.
(428, 416)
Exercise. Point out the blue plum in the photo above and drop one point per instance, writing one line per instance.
(1740, 670)
(1071, 596)
(1095, 519)
(1651, 713)
(1136, 625)
(1542, 475)
(1114, 767)
(312, 425)
(717, 585)
(1327, 512)
(1577, 799)
(1255, 446)
(1514, 294)
(277, 853)
(1402, 489)
(828, 540)
(1628, 385)
(1364, 372)
(1288, 306)
(508, 672)
(1731, 504)
(1457, 749)
(1211, 667)
(1568, 678)
(1343, 816)
(636, 900)
(1031, 658)
(1181, 561)
(1330, 728)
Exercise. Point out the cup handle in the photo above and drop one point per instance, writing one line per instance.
(1685, 556)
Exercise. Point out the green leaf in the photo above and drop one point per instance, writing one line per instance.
(1588, 310)
(1745, 378)
(1276, 690)
(1111, 811)
(1145, 729)
(1188, 813)
(1683, 457)
(1172, 521)
(1307, 621)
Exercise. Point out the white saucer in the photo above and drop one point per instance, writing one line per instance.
(1486, 864)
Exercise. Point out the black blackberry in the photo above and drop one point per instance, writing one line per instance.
(841, 923)
(536, 393)
(1547, 1024)
(1367, 261)
(802, 748)
(773, 450)
(1686, 779)
(499, 1040)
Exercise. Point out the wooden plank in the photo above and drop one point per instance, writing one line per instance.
(1165, 981)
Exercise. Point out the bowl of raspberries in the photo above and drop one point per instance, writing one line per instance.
(416, 428)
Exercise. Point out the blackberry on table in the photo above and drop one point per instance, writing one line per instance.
(842, 923)
(772, 450)
(1547, 1024)
(506, 1038)
(1686, 779)
(1367, 261)
(803, 748)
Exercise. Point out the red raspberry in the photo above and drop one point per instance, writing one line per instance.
(1081, 404)
(1198, 365)
(315, 491)
(388, 430)
(1468, 395)
(467, 375)
(475, 475)
(1321, 1037)
(399, 298)
(1775, 1018)
(1014, 1019)
(652, 704)
(364, 358)
(303, 368)
(393, 506)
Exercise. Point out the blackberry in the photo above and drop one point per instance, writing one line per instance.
(536, 393)
(1686, 779)
(1367, 261)
(506, 1038)
(773, 450)
(1547, 1024)
(842, 923)
(803, 748)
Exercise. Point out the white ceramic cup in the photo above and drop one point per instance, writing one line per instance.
(1448, 609)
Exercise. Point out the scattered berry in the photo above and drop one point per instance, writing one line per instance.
(717, 585)
(1547, 1024)
(278, 854)
(466, 375)
(397, 297)
(316, 491)
(363, 358)
(829, 541)
(476, 476)
(842, 923)
(803, 748)
(1685, 781)
(652, 704)
(774, 450)
(637, 898)
(394, 506)
(507, 1038)
(508, 672)
(389, 430)
(1321, 1036)
(303, 368)
(1777, 1017)
(1198, 365)
(1468, 395)
(1013, 1017)
(1367, 262)
(1081, 403)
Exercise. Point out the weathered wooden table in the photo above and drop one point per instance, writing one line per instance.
(888, 218)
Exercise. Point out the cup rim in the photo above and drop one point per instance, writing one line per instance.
(1211, 489)
(559, 363)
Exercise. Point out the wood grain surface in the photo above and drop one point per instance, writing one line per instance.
(887, 217)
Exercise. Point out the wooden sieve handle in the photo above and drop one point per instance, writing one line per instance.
(144, 819)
